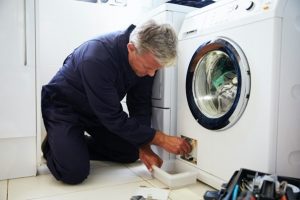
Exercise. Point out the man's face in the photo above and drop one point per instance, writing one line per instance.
(142, 64)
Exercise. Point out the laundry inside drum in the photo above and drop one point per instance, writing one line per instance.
(215, 84)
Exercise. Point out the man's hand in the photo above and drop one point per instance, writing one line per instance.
(149, 158)
(172, 144)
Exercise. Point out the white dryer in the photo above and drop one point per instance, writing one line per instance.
(239, 87)
(164, 86)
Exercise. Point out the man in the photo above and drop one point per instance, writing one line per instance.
(84, 97)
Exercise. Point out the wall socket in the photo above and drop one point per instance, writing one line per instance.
(192, 156)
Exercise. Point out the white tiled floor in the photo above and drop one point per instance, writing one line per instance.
(106, 181)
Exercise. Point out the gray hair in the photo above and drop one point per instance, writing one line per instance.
(159, 39)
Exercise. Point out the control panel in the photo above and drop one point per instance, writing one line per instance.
(223, 13)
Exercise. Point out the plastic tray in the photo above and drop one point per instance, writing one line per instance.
(175, 174)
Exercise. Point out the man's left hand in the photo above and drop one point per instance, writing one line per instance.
(149, 158)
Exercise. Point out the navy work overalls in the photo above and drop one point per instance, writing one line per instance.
(84, 97)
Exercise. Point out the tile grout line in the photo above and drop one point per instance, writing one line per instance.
(7, 189)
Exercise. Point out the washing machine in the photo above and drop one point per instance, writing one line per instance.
(239, 88)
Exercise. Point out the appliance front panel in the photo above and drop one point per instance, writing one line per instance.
(251, 141)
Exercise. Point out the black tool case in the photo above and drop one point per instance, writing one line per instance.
(238, 188)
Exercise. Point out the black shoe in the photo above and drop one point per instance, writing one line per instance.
(45, 147)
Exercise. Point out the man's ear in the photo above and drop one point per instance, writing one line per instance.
(130, 47)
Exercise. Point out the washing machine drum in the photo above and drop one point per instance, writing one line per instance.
(218, 84)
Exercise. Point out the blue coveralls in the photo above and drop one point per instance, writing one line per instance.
(84, 96)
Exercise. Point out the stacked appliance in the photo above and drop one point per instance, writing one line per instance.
(164, 86)
(239, 87)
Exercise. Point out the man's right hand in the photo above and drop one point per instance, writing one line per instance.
(172, 144)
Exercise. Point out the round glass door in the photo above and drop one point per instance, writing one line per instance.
(218, 84)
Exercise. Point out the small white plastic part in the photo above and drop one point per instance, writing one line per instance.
(175, 174)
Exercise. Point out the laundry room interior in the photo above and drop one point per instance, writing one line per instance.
(150, 99)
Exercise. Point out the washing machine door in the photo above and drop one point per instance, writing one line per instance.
(218, 84)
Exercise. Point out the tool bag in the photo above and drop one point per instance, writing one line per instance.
(247, 184)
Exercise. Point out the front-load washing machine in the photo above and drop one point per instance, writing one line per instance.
(239, 87)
